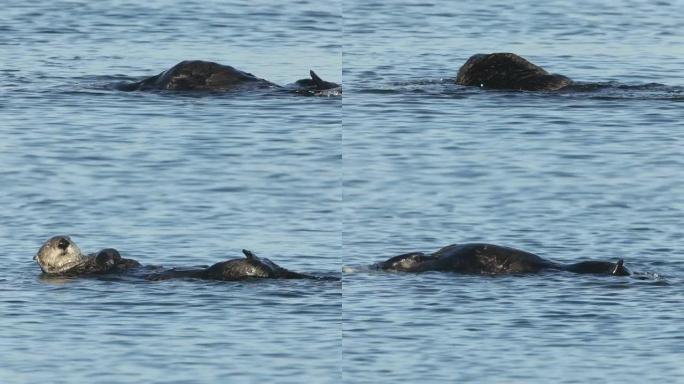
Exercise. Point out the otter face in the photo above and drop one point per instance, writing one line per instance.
(58, 255)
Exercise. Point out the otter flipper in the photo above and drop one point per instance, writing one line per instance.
(317, 80)
(265, 263)
(619, 269)
(250, 255)
(315, 85)
(320, 83)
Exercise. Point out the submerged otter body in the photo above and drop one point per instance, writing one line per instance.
(508, 71)
(200, 75)
(197, 75)
(235, 269)
(481, 258)
(60, 256)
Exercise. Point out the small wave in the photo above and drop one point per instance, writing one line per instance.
(653, 277)
(356, 268)
(613, 90)
(610, 90)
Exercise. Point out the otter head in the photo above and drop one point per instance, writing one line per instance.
(58, 255)
(508, 71)
(408, 262)
(476, 59)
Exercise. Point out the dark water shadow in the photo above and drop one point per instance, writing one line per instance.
(620, 281)
(611, 90)
(142, 276)
(123, 84)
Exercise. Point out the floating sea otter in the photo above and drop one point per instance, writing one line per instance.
(508, 71)
(491, 259)
(196, 75)
(60, 256)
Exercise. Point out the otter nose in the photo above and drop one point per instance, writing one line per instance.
(63, 244)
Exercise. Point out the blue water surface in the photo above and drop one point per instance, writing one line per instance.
(594, 172)
(169, 179)
(405, 161)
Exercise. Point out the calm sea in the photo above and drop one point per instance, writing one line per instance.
(404, 161)
(170, 179)
(592, 173)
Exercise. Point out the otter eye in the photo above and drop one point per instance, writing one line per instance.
(63, 244)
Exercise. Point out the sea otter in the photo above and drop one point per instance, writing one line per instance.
(508, 71)
(479, 258)
(197, 75)
(61, 256)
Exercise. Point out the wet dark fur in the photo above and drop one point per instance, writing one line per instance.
(106, 261)
(235, 269)
(480, 258)
(508, 71)
(197, 75)
(109, 261)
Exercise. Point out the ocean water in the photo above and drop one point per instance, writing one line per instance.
(404, 161)
(594, 172)
(168, 179)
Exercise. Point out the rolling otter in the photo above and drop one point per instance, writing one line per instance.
(480, 258)
(508, 71)
(61, 256)
(197, 75)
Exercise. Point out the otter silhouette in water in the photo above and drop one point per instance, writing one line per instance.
(197, 75)
(480, 258)
(508, 71)
(61, 256)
